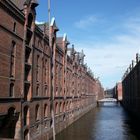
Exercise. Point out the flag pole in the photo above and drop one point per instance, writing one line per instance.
(52, 73)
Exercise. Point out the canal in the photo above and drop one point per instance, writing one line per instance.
(107, 122)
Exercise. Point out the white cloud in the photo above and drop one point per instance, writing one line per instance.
(86, 22)
(110, 59)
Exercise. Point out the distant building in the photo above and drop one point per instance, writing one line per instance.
(118, 91)
(109, 93)
(38, 79)
(115, 92)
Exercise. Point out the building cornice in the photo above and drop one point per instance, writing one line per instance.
(12, 10)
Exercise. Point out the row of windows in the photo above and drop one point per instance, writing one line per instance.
(46, 67)
(38, 90)
(37, 113)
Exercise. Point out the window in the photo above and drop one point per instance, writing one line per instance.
(37, 90)
(11, 89)
(26, 115)
(46, 90)
(37, 71)
(46, 71)
(26, 134)
(60, 106)
(37, 75)
(56, 108)
(45, 110)
(56, 91)
(37, 113)
(37, 60)
(30, 20)
(12, 59)
(14, 27)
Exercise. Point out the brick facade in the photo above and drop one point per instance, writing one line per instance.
(27, 81)
(131, 88)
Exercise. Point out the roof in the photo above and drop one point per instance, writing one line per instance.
(59, 42)
(44, 27)
(19, 3)
(54, 24)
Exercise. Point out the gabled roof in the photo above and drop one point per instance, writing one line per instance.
(65, 39)
(59, 42)
(53, 23)
(44, 27)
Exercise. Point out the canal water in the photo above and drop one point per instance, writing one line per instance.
(107, 122)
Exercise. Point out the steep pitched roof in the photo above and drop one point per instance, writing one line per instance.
(54, 24)
(44, 27)
(19, 3)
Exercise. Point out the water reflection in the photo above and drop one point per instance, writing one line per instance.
(107, 122)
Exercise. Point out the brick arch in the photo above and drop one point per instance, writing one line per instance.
(8, 124)
(11, 106)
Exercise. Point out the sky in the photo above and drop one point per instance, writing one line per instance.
(108, 31)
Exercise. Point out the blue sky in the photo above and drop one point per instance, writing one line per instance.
(107, 30)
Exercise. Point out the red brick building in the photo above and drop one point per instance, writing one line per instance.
(38, 79)
(118, 91)
(131, 88)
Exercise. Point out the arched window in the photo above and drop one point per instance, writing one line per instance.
(70, 105)
(12, 59)
(67, 106)
(46, 90)
(37, 90)
(37, 113)
(26, 115)
(26, 134)
(60, 106)
(37, 68)
(64, 107)
(8, 124)
(56, 91)
(14, 27)
(56, 108)
(45, 110)
(11, 89)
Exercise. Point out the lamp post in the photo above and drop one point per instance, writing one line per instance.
(52, 61)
